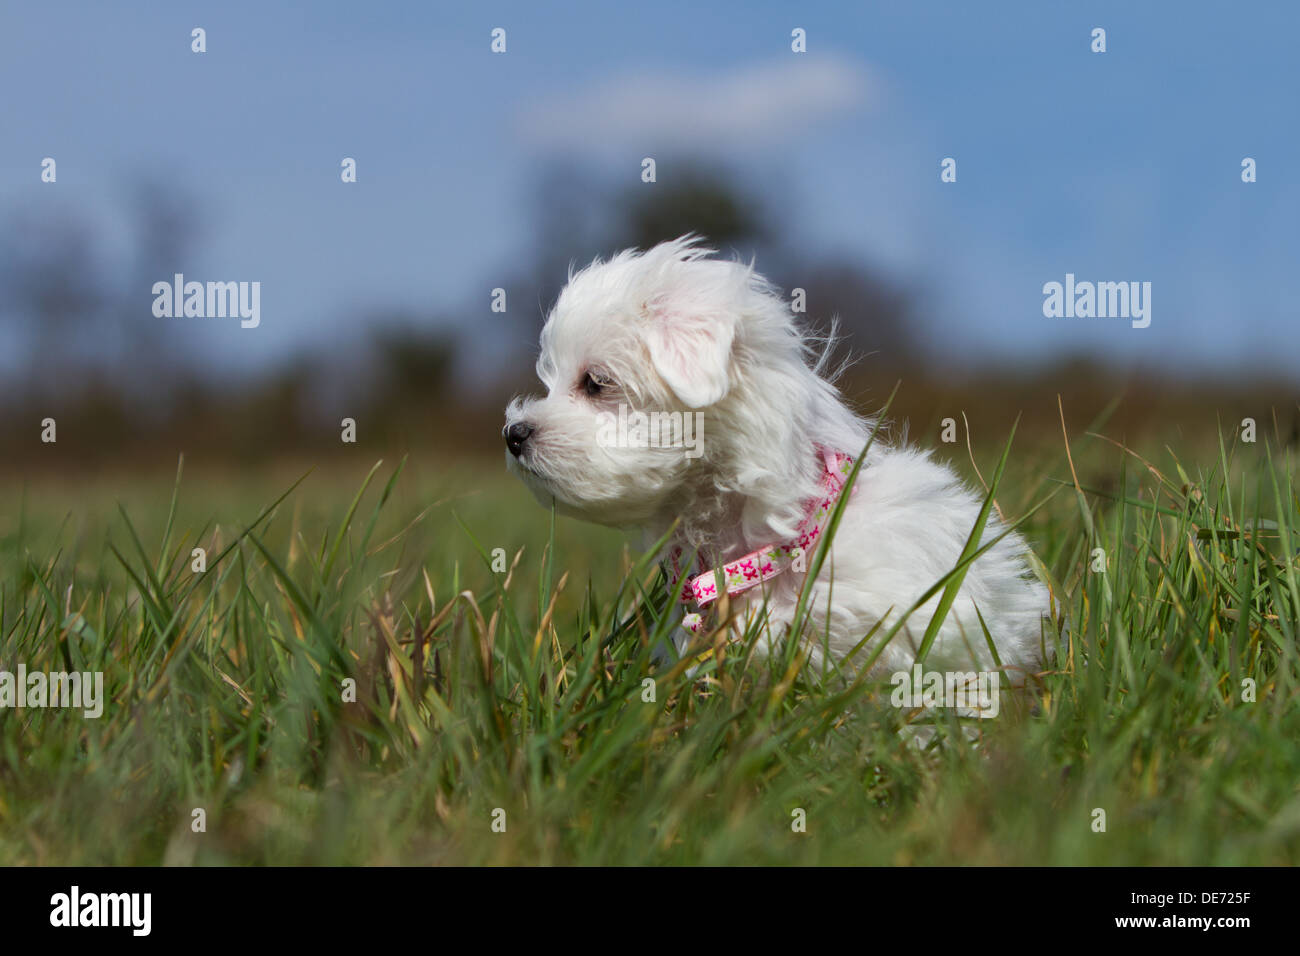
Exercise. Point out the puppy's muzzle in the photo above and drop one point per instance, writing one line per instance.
(516, 436)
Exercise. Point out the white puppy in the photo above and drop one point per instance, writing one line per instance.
(713, 351)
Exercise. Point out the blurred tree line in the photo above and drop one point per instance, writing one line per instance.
(125, 390)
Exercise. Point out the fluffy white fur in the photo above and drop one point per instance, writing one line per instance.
(673, 329)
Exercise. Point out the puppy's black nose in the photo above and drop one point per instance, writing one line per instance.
(516, 435)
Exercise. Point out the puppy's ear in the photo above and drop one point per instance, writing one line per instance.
(691, 351)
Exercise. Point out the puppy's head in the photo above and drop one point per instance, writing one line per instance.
(653, 334)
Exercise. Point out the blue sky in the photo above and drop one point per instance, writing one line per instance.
(1122, 166)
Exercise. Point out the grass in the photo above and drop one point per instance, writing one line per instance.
(489, 693)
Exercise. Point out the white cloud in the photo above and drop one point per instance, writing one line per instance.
(753, 104)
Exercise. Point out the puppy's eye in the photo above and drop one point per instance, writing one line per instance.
(594, 383)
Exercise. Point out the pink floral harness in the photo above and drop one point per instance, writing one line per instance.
(767, 562)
